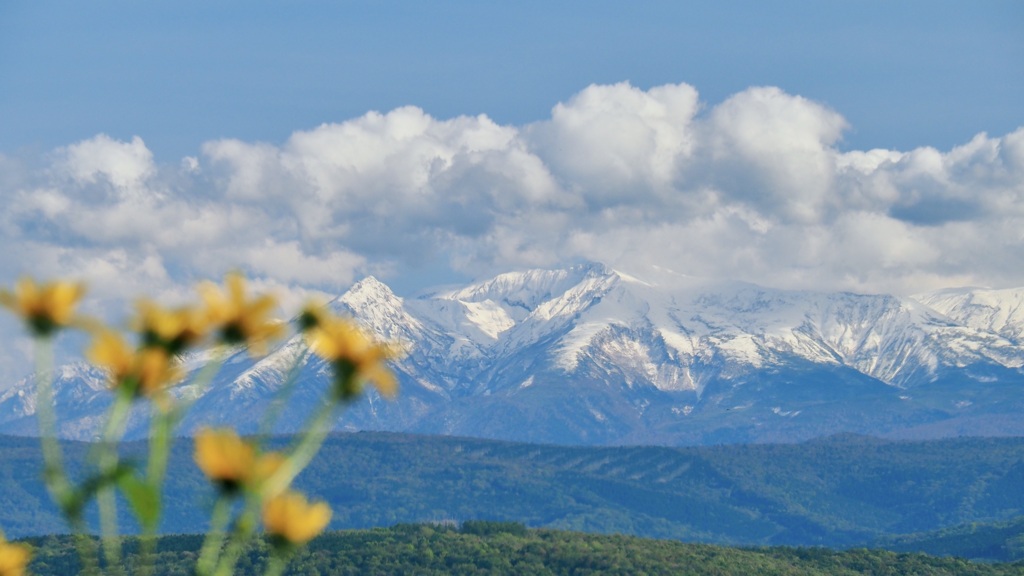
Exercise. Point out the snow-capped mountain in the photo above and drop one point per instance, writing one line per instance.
(586, 354)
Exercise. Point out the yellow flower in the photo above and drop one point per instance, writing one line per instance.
(145, 372)
(313, 313)
(224, 457)
(290, 517)
(267, 465)
(353, 354)
(230, 461)
(171, 329)
(45, 308)
(241, 320)
(13, 558)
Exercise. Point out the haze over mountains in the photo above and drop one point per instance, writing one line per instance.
(591, 355)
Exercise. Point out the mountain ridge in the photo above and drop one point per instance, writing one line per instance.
(587, 354)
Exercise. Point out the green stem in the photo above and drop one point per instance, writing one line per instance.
(203, 379)
(156, 471)
(303, 452)
(276, 564)
(53, 461)
(54, 473)
(245, 527)
(161, 438)
(86, 547)
(210, 551)
(159, 445)
(106, 499)
(107, 461)
(281, 396)
(162, 423)
(147, 548)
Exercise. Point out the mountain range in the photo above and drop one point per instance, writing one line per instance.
(590, 355)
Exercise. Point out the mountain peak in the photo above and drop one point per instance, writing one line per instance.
(379, 309)
(527, 289)
(369, 292)
(369, 283)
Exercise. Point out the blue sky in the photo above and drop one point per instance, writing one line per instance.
(868, 146)
(904, 74)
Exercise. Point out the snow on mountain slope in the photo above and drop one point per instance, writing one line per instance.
(752, 327)
(994, 311)
(520, 293)
(894, 340)
(81, 396)
(435, 351)
(590, 354)
(380, 310)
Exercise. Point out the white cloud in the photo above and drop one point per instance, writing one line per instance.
(755, 187)
(122, 164)
(774, 151)
(618, 144)
(287, 262)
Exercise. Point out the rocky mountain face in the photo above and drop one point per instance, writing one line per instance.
(590, 355)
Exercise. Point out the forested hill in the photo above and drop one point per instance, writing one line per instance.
(989, 542)
(498, 549)
(838, 492)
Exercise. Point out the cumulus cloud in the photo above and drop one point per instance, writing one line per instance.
(618, 145)
(756, 187)
(772, 150)
(123, 164)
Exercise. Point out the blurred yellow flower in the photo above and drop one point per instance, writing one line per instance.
(224, 457)
(146, 371)
(44, 307)
(311, 315)
(231, 462)
(354, 355)
(290, 517)
(241, 320)
(171, 329)
(267, 465)
(14, 558)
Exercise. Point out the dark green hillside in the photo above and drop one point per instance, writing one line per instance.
(996, 542)
(495, 548)
(25, 506)
(838, 492)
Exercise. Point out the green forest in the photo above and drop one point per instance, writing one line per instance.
(994, 541)
(498, 548)
(840, 492)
